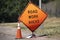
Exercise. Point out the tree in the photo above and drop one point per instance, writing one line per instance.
(11, 9)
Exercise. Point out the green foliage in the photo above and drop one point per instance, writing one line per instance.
(46, 1)
(35, 2)
(11, 9)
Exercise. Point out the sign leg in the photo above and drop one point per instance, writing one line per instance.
(33, 35)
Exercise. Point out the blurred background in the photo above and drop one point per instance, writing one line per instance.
(10, 10)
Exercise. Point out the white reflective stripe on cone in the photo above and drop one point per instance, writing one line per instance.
(18, 28)
(18, 24)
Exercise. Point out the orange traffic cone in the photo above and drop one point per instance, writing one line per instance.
(18, 35)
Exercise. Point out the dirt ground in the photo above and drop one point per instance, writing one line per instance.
(9, 33)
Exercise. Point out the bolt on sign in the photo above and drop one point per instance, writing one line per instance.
(32, 16)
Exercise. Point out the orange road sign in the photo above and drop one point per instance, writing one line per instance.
(32, 16)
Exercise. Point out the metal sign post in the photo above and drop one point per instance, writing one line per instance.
(39, 3)
(40, 7)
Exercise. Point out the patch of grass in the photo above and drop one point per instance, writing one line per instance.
(51, 27)
(23, 28)
(15, 25)
(8, 24)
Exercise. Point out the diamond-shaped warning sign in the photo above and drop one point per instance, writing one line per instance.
(32, 16)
